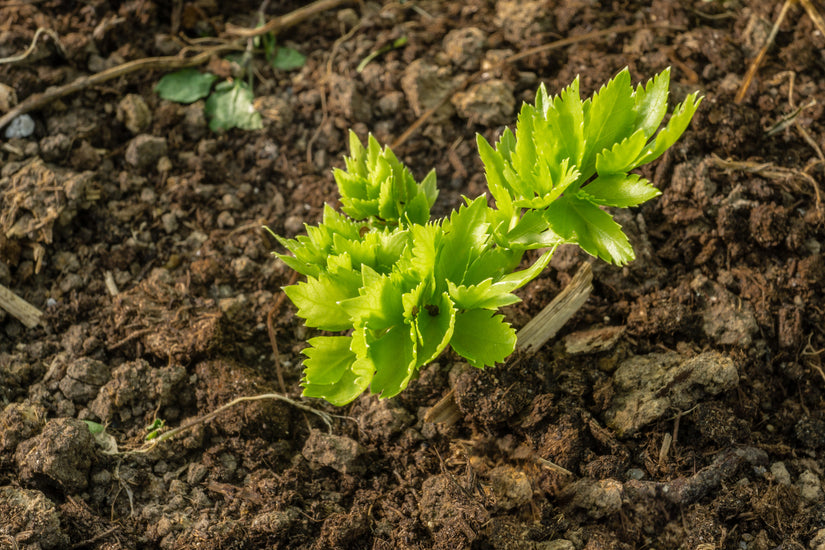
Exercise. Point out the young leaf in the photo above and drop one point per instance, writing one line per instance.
(582, 222)
(482, 338)
(318, 301)
(230, 106)
(484, 295)
(621, 190)
(609, 119)
(287, 59)
(622, 156)
(651, 103)
(379, 305)
(328, 358)
(677, 124)
(185, 86)
(465, 237)
(352, 383)
(434, 327)
(566, 120)
(394, 358)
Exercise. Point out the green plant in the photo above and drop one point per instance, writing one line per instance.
(230, 103)
(402, 288)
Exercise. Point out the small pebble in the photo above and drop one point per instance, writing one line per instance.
(20, 127)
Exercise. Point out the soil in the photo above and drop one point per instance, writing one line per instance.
(683, 407)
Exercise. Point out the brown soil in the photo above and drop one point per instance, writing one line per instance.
(693, 417)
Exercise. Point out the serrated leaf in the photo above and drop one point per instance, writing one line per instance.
(185, 86)
(318, 299)
(287, 59)
(379, 305)
(482, 338)
(609, 119)
(532, 231)
(493, 263)
(622, 156)
(230, 106)
(353, 382)
(621, 190)
(328, 358)
(484, 295)
(651, 102)
(582, 222)
(465, 236)
(434, 327)
(566, 119)
(494, 170)
(393, 355)
(677, 124)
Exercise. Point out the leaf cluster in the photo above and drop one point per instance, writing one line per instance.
(568, 158)
(399, 288)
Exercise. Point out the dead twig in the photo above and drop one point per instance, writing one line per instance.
(285, 21)
(38, 101)
(770, 170)
(746, 82)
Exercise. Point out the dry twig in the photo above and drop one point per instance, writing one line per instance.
(19, 308)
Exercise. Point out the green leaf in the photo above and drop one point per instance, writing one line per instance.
(328, 358)
(494, 170)
(287, 59)
(482, 338)
(532, 231)
(465, 237)
(651, 102)
(677, 124)
(394, 356)
(230, 106)
(185, 86)
(582, 222)
(318, 300)
(434, 327)
(565, 118)
(622, 156)
(379, 306)
(484, 295)
(621, 190)
(608, 120)
(94, 427)
(353, 382)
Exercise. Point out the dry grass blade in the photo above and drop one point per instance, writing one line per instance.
(746, 82)
(19, 308)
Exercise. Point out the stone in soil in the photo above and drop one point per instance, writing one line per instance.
(59, 457)
(488, 103)
(338, 452)
(646, 387)
(144, 151)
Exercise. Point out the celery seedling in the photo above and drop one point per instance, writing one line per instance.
(401, 288)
